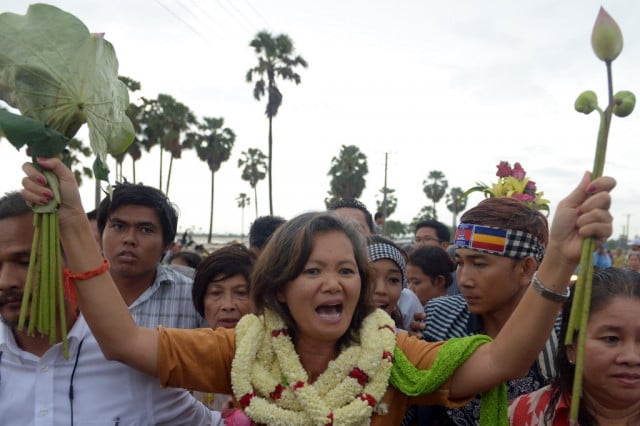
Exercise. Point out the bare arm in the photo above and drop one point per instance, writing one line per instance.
(584, 213)
(100, 302)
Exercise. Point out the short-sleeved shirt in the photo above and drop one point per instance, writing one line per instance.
(201, 360)
(448, 317)
(34, 390)
(167, 302)
(529, 409)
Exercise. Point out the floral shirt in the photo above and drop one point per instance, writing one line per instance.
(529, 410)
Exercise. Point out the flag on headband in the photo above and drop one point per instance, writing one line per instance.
(481, 238)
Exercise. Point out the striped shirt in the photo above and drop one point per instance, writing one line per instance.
(449, 317)
(167, 302)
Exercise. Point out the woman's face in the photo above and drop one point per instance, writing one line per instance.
(226, 301)
(634, 263)
(612, 356)
(388, 284)
(423, 285)
(323, 298)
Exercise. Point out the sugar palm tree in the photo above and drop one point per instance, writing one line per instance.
(243, 201)
(456, 203)
(255, 169)
(164, 121)
(347, 173)
(276, 60)
(434, 187)
(213, 144)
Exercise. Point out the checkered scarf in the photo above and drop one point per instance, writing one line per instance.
(503, 242)
(379, 251)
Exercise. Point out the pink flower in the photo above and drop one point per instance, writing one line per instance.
(518, 172)
(235, 417)
(531, 185)
(524, 197)
(504, 169)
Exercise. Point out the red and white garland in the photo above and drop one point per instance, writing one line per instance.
(272, 385)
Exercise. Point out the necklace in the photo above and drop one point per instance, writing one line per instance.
(272, 386)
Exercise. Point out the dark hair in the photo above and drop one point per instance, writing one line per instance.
(262, 229)
(509, 213)
(191, 258)
(285, 256)
(130, 194)
(352, 203)
(12, 205)
(396, 315)
(433, 261)
(442, 230)
(607, 284)
(378, 215)
(92, 215)
(223, 263)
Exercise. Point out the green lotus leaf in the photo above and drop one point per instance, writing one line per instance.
(54, 71)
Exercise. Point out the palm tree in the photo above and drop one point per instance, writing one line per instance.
(163, 121)
(213, 145)
(276, 59)
(391, 201)
(255, 169)
(456, 203)
(347, 174)
(434, 188)
(243, 201)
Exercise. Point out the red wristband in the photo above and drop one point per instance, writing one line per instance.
(69, 276)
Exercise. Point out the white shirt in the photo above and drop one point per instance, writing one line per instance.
(408, 304)
(35, 391)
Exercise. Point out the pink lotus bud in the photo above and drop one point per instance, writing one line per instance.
(504, 169)
(606, 37)
(524, 197)
(518, 171)
(235, 417)
(531, 185)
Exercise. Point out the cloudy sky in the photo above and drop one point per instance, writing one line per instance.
(449, 86)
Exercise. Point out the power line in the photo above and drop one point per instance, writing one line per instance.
(195, 31)
(234, 17)
(206, 24)
(258, 14)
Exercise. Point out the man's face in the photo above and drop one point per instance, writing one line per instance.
(355, 215)
(132, 241)
(490, 284)
(16, 234)
(426, 236)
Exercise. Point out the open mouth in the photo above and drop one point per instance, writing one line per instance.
(330, 311)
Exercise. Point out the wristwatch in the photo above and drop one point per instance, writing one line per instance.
(554, 296)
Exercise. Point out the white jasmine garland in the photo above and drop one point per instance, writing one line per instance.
(272, 386)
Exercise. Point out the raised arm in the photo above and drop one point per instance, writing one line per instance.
(583, 213)
(100, 302)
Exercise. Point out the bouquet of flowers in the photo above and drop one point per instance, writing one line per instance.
(513, 182)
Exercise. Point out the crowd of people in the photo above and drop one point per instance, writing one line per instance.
(320, 320)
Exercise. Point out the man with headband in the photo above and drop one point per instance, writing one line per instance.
(499, 245)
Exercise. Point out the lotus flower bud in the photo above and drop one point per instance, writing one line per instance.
(625, 101)
(606, 37)
(586, 102)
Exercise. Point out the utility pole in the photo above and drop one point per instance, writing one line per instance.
(384, 196)
(627, 233)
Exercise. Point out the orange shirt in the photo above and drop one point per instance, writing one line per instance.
(201, 360)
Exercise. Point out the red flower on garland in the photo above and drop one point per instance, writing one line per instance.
(277, 392)
(369, 399)
(246, 399)
(359, 375)
(282, 331)
(330, 417)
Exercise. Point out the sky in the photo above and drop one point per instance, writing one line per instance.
(449, 86)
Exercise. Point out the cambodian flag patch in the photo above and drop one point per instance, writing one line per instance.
(481, 238)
